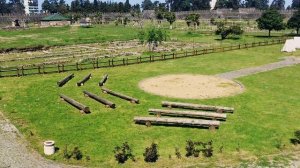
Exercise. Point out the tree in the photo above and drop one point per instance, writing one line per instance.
(62, 7)
(295, 4)
(147, 5)
(225, 30)
(153, 37)
(200, 4)
(271, 20)
(258, 4)
(3, 7)
(15, 7)
(127, 6)
(294, 21)
(234, 4)
(171, 17)
(278, 4)
(193, 19)
(46, 6)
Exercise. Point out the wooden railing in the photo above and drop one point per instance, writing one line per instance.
(113, 62)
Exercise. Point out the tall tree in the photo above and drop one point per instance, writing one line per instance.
(46, 6)
(75, 6)
(294, 21)
(62, 7)
(16, 7)
(271, 20)
(95, 6)
(3, 7)
(295, 4)
(233, 4)
(278, 4)
(258, 4)
(200, 4)
(127, 6)
(147, 5)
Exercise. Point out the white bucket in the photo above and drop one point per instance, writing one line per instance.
(49, 148)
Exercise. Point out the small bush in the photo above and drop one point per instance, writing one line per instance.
(66, 154)
(151, 153)
(190, 148)
(296, 140)
(76, 154)
(123, 153)
(177, 153)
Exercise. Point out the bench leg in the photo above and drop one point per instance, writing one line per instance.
(158, 115)
(212, 128)
(148, 123)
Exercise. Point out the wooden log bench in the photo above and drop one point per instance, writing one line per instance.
(99, 99)
(103, 80)
(131, 99)
(148, 121)
(65, 80)
(218, 109)
(85, 79)
(75, 104)
(192, 114)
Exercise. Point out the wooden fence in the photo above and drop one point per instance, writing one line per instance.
(114, 62)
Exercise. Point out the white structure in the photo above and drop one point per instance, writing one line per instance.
(31, 6)
(297, 42)
(289, 46)
(49, 148)
(212, 4)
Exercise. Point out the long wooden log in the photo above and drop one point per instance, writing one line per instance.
(197, 107)
(99, 99)
(65, 80)
(85, 79)
(131, 99)
(195, 114)
(76, 104)
(177, 122)
(103, 80)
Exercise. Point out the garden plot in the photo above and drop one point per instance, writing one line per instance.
(87, 52)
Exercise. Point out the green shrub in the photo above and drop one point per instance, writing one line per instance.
(151, 153)
(123, 153)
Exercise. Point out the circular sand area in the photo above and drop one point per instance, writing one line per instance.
(188, 86)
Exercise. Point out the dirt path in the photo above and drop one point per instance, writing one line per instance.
(288, 61)
(14, 152)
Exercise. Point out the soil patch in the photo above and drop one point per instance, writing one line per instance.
(189, 86)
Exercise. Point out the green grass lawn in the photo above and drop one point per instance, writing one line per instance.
(266, 114)
(69, 35)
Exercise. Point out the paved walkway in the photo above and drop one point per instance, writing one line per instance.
(288, 61)
(14, 152)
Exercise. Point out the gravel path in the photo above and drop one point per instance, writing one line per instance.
(14, 152)
(288, 61)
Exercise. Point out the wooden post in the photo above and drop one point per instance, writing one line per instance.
(63, 67)
(97, 62)
(123, 61)
(58, 69)
(173, 55)
(44, 69)
(22, 68)
(112, 62)
(239, 46)
(39, 69)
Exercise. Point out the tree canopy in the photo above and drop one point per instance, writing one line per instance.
(271, 20)
(294, 21)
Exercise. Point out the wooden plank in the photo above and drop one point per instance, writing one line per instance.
(177, 122)
(195, 114)
(85, 79)
(75, 104)
(103, 80)
(122, 96)
(65, 80)
(197, 107)
(99, 99)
